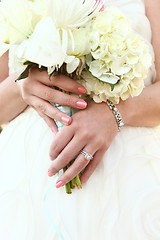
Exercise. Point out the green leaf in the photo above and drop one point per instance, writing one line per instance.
(24, 74)
(112, 86)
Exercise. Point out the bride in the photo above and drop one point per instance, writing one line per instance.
(120, 198)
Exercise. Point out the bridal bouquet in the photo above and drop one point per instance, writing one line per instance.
(90, 42)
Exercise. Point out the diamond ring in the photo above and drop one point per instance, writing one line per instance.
(86, 155)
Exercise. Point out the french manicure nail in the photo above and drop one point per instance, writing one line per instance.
(81, 104)
(59, 184)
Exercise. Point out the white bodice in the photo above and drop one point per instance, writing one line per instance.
(135, 11)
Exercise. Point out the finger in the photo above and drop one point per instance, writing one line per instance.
(67, 145)
(88, 171)
(65, 157)
(45, 108)
(67, 84)
(76, 167)
(65, 153)
(51, 123)
(59, 143)
(56, 96)
(61, 81)
(40, 76)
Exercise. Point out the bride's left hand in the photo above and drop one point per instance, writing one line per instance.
(92, 130)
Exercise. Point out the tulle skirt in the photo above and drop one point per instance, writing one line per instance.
(121, 200)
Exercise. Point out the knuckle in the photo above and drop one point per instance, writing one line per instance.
(54, 170)
(72, 100)
(69, 100)
(48, 95)
(66, 156)
(80, 165)
(24, 90)
(26, 98)
(51, 155)
(54, 79)
(67, 177)
(41, 114)
(54, 152)
(33, 73)
(86, 134)
(25, 85)
(106, 146)
(41, 107)
(57, 115)
(100, 142)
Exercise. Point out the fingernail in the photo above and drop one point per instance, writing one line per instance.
(81, 104)
(59, 184)
(81, 90)
(66, 120)
(50, 174)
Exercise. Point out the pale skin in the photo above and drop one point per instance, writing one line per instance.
(36, 91)
(87, 129)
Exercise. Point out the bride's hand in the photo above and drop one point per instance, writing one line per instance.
(92, 130)
(36, 91)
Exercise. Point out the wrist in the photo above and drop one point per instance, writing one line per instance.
(116, 113)
(129, 111)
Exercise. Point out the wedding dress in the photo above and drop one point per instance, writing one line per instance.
(121, 200)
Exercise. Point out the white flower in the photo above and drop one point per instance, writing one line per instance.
(78, 42)
(15, 64)
(113, 59)
(119, 58)
(3, 48)
(43, 46)
(18, 20)
(69, 16)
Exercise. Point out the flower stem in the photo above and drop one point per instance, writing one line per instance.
(75, 182)
(78, 182)
(68, 188)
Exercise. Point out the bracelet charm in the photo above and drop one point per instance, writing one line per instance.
(116, 114)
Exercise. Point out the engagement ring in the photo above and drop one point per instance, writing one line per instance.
(86, 155)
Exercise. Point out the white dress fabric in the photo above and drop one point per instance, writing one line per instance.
(121, 201)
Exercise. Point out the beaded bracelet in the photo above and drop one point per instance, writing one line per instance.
(116, 114)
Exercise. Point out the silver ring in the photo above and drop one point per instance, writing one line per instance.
(86, 155)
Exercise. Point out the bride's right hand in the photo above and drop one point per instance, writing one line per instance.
(39, 92)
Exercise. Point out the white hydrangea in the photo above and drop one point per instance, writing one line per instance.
(119, 59)
(48, 33)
